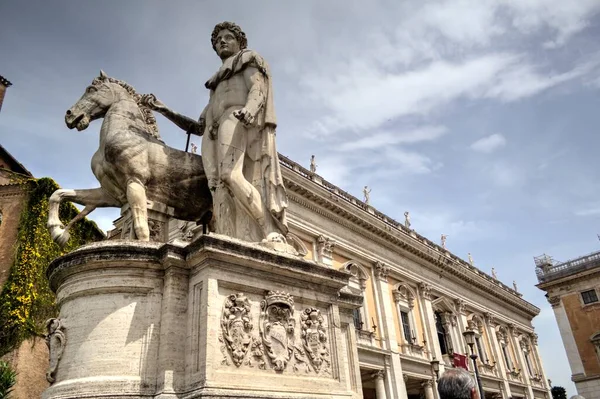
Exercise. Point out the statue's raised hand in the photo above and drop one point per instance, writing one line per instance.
(153, 103)
(245, 116)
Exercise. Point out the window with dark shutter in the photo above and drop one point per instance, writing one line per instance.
(589, 296)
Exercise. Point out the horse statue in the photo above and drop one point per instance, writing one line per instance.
(132, 163)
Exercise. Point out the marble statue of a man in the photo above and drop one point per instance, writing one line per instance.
(238, 144)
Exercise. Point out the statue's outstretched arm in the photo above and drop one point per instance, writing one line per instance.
(182, 121)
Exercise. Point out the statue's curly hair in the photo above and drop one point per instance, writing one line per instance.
(234, 28)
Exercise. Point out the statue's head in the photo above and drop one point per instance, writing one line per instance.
(227, 39)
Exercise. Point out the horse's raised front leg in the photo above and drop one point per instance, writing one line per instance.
(90, 198)
(136, 196)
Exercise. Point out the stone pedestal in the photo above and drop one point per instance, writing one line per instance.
(216, 319)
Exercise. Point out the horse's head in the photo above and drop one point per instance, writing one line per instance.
(94, 103)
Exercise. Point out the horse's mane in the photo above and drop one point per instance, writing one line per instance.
(149, 118)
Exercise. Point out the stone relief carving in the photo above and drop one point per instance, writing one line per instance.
(534, 338)
(314, 339)
(425, 290)
(236, 326)
(277, 327)
(382, 270)
(156, 230)
(325, 246)
(56, 340)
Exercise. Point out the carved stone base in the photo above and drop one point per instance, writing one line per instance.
(216, 319)
(159, 215)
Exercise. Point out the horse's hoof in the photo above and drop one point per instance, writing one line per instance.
(63, 238)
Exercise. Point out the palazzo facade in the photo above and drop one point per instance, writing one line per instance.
(419, 298)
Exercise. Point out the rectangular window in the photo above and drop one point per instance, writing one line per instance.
(357, 316)
(589, 296)
(528, 362)
(506, 358)
(482, 354)
(405, 326)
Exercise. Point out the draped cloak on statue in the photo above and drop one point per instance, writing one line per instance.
(261, 163)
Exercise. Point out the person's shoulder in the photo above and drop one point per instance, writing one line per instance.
(252, 58)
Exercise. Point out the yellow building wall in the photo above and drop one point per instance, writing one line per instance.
(310, 255)
(339, 261)
(585, 322)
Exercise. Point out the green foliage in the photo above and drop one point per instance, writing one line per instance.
(26, 300)
(558, 393)
(8, 378)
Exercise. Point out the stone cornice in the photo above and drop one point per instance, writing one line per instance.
(347, 211)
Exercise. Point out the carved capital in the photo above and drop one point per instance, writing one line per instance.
(427, 384)
(405, 377)
(513, 330)
(378, 375)
(460, 305)
(489, 319)
(554, 301)
(382, 270)
(425, 290)
(534, 338)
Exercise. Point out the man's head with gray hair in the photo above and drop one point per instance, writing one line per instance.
(457, 384)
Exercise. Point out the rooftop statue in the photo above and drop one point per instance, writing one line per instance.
(238, 141)
(132, 164)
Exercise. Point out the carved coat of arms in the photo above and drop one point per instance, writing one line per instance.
(314, 338)
(277, 327)
(236, 326)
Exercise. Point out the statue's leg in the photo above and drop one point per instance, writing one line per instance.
(232, 149)
(136, 196)
(210, 160)
(90, 198)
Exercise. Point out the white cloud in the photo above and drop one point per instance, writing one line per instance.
(591, 211)
(489, 144)
(378, 140)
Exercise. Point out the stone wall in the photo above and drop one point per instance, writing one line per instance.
(585, 322)
(30, 361)
(12, 200)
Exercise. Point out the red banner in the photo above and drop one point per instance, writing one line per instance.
(460, 361)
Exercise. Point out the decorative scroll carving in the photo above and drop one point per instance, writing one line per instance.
(236, 326)
(325, 246)
(502, 334)
(314, 338)
(382, 270)
(513, 330)
(56, 340)
(460, 305)
(277, 327)
(258, 352)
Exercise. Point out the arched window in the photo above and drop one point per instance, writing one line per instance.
(404, 297)
(358, 281)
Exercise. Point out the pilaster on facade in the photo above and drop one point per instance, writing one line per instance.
(564, 327)
(424, 291)
(490, 323)
(388, 333)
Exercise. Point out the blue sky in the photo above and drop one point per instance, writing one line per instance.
(480, 117)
